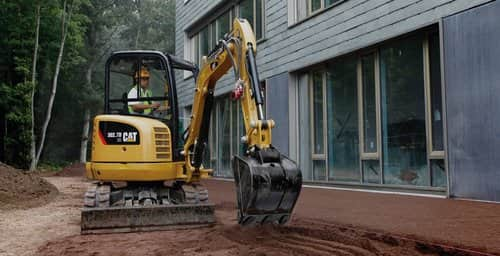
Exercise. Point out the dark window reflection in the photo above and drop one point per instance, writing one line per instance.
(258, 19)
(371, 171)
(204, 44)
(436, 96)
(438, 173)
(223, 25)
(403, 113)
(369, 104)
(318, 113)
(224, 136)
(319, 170)
(315, 5)
(342, 118)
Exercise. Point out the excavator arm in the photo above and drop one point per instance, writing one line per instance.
(267, 182)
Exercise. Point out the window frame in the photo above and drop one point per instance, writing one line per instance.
(318, 156)
(192, 41)
(369, 155)
(432, 155)
(213, 141)
(254, 25)
(295, 18)
(310, 12)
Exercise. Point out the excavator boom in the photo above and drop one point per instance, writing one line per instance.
(267, 183)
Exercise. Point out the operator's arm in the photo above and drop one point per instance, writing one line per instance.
(139, 106)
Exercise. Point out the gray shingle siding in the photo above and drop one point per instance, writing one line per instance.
(352, 25)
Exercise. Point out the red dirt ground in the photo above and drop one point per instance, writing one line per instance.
(325, 222)
(455, 223)
(73, 170)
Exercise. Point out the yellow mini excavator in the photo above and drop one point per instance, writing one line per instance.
(147, 171)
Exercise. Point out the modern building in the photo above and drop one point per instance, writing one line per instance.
(379, 94)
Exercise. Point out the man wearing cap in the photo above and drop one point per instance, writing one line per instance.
(141, 107)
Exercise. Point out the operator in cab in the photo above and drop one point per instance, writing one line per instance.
(141, 107)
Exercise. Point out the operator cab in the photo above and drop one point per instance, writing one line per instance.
(145, 78)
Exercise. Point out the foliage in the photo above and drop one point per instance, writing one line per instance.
(53, 166)
(18, 121)
(97, 28)
(150, 24)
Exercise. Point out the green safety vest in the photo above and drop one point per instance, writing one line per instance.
(146, 93)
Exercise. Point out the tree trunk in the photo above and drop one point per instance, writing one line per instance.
(86, 117)
(33, 90)
(85, 136)
(65, 25)
(138, 32)
(3, 132)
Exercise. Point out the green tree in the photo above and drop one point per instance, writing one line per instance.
(48, 58)
(17, 20)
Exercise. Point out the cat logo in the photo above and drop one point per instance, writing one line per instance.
(129, 136)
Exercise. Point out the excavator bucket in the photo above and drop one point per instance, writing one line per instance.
(267, 185)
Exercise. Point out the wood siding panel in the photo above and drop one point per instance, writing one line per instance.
(352, 25)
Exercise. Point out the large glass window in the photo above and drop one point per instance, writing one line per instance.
(371, 171)
(259, 19)
(435, 91)
(224, 138)
(246, 10)
(206, 39)
(342, 121)
(209, 156)
(305, 8)
(253, 11)
(204, 43)
(403, 113)
(319, 170)
(369, 112)
(369, 116)
(235, 142)
(438, 172)
(226, 128)
(318, 127)
(223, 25)
(317, 97)
(315, 5)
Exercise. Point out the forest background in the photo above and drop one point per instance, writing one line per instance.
(52, 56)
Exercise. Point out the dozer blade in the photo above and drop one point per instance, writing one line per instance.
(267, 186)
(146, 218)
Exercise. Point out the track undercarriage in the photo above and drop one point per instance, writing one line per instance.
(111, 208)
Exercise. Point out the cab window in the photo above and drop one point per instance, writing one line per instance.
(139, 86)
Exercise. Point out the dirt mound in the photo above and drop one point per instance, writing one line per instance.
(23, 190)
(73, 170)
